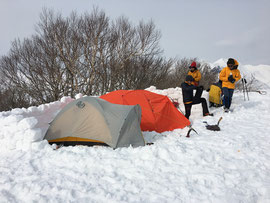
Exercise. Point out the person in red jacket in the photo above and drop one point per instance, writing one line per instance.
(229, 76)
(195, 73)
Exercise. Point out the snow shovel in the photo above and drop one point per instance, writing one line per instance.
(213, 127)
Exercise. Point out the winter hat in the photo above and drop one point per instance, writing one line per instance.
(193, 64)
(189, 78)
(230, 61)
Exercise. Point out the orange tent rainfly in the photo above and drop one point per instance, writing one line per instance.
(158, 112)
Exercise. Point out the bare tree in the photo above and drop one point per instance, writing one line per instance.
(208, 75)
(88, 54)
(181, 68)
(178, 72)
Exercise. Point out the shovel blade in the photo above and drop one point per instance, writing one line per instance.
(213, 127)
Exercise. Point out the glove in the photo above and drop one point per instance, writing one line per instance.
(231, 79)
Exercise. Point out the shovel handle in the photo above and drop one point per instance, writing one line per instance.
(219, 120)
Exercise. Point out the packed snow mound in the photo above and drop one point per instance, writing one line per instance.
(20, 128)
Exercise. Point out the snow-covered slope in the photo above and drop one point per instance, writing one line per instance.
(220, 62)
(260, 72)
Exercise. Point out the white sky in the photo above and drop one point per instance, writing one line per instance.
(208, 29)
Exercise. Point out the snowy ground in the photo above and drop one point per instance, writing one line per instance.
(232, 165)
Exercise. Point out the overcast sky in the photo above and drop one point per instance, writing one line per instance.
(207, 29)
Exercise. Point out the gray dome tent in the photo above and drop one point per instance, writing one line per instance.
(94, 120)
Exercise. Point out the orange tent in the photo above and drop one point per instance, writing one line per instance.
(158, 112)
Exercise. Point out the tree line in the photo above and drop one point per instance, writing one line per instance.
(89, 54)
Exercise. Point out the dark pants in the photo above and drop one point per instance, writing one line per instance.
(227, 98)
(196, 100)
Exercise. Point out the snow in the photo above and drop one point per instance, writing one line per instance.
(232, 165)
(221, 62)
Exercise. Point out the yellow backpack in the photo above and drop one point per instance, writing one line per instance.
(215, 95)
